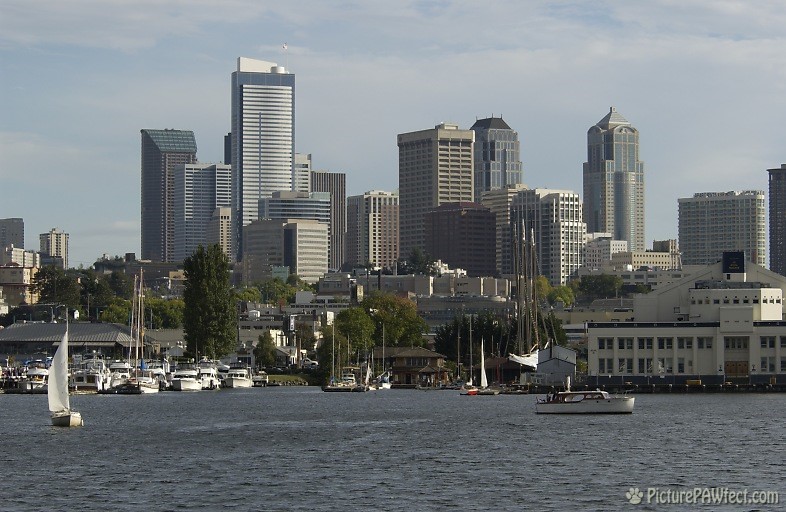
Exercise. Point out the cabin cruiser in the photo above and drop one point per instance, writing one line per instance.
(186, 378)
(584, 402)
(119, 373)
(238, 377)
(91, 374)
(34, 379)
(208, 375)
(260, 379)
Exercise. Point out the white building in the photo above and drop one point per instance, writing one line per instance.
(55, 244)
(372, 229)
(219, 231)
(723, 323)
(19, 256)
(599, 249)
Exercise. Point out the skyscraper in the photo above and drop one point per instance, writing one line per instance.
(12, 232)
(778, 219)
(336, 184)
(55, 244)
(199, 190)
(372, 229)
(302, 175)
(262, 136)
(463, 235)
(434, 167)
(553, 217)
(162, 151)
(219, 231)
(614, 181)
(711, 223)
(499, 202)
(497, 156)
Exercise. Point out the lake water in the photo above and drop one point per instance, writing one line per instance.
(302, 449)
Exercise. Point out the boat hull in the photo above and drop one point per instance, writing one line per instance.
(234, 382)
(614, 405)
(67, 419)
(186, 385)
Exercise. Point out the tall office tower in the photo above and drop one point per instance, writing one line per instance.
(336, 184)
(372, 229)
(497, 156)
(302, 175)
(219, 231)
(711, 223)
(199, 190)
(162, 151)
(55, 244)
(12, 232)
(553, 217)
(499, 201)
(300, 244)
(614, 181)
(463, 235)
(263, 136)
(297, 205)
(434, 167)
(778, 219)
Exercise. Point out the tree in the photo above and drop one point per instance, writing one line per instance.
(275, 291)
(117, 312)
(54, 286)
(562, 293)
(399, 318)
(357, 326)
(209, 319)
(418, 262)
(164, 313)
(265, 351)
(250, 294)
(600, 286)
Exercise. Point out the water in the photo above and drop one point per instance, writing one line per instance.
(302, 449)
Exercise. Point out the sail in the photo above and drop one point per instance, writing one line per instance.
(483, 380)
(57, 387)
(530, 360)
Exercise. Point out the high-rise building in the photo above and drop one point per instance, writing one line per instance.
(711, 223)
(497, 156)
(219, 231)
(336, 184)
(463, 235)
(777, 179)
(372, 229)
(12, 232)
(499, 201)
(55, 244)
(553, 218)
(300, 244)
(162, 151)
(434, 167)
(199, 190)
(614, 181)
(297, 205)
(599, 248)
(262, 136)
(302, 175)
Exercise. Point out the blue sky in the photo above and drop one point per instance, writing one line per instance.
(703, 81)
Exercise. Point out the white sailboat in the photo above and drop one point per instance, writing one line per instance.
(57, 392)
(484, 388)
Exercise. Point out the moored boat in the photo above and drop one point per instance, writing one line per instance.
(584, 402)
(186, 378)
(238, 377)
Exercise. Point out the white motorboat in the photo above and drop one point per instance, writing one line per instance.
(260, 379)
(208, 375)
(92, 374)
(238, 378)
(186, 379)
(119, 373)
(584, 402)
(34, 380)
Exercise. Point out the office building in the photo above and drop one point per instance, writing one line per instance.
(435, 166)
(302, 174)
(12, 232)
(463, 235)
(711, 223)
(372, 229)
(219, 231)
(497, 156)
(299, 244)
(599, 248)
(777, 189)
(199, 190)
(262, 136)
(614, 181)
(162, 151)
(499, 201)
(336, 184)
(55, 245)
(297, 205)
(553, 218)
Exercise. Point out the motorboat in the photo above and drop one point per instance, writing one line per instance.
(208, 375)
(584, 402)
(186, 378)
(238, 377)
(119, 373)
(92, 374)
(260, 379)
(34, 380)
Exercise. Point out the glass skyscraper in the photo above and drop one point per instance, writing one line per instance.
(497, 156)
(614, 181)
(262, 136)
(777, 183)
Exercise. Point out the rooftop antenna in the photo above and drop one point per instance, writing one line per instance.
(286, 57)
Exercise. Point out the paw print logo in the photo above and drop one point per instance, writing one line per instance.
(634, 495)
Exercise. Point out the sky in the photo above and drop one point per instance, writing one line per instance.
(702, 80)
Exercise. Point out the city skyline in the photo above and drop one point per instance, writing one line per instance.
(80, 81)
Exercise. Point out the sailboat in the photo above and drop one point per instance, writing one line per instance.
(141, 379)
(484, 388)
(526, 302)
(57, 392)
